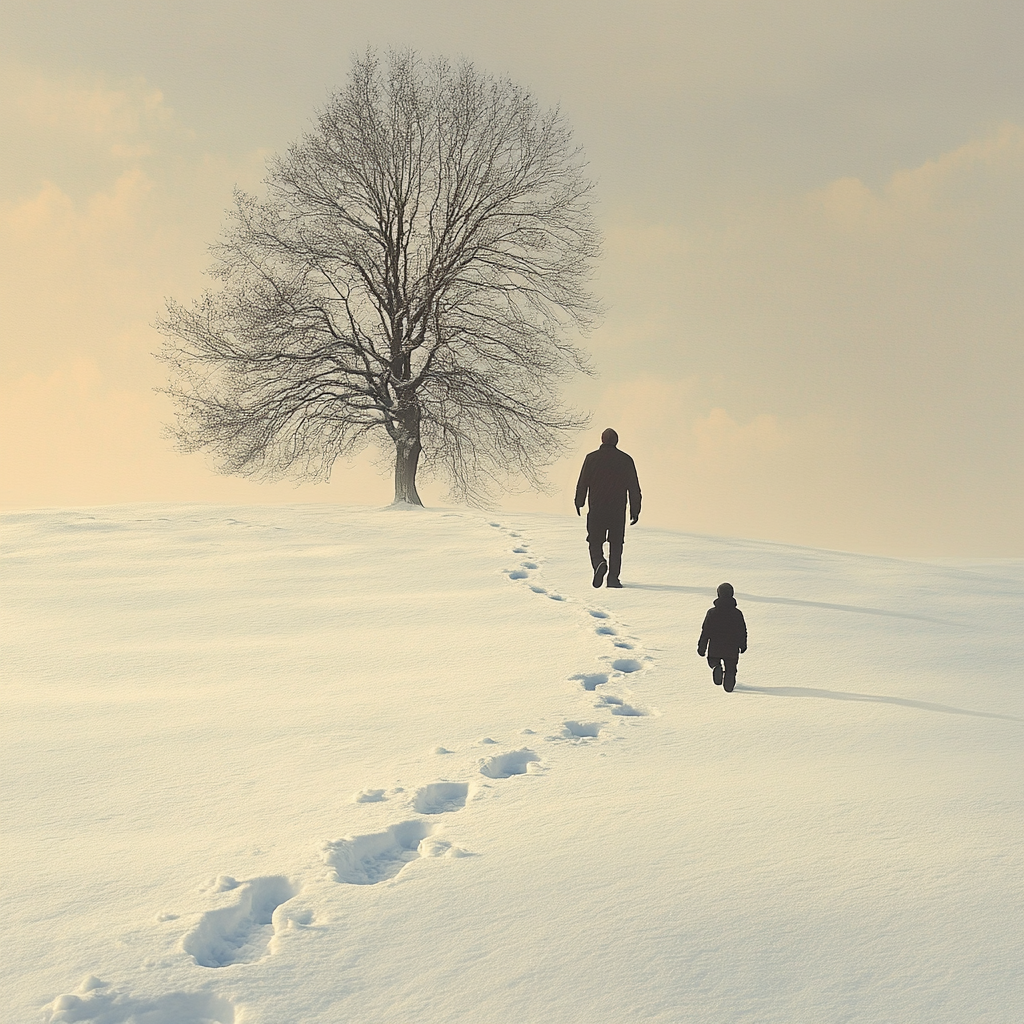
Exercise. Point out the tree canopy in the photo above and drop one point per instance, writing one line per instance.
(412, 277)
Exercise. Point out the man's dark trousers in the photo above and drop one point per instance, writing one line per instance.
(611, 527)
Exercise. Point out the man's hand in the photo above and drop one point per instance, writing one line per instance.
(577, 510)
(633, 521)
(700, 652)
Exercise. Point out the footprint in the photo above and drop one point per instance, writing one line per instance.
(518, 574)
(520, 551)
(556, 597)
(529, 565)
(369, 796)
(504, 766)
(582, 730)
(367, 860)
(497, 526)
(294, 919)
(96, 1001)
(628, 711)
(626, 665)
(623, 645)
(599, 614)
(606, 631)
(432, 846)
(591, 680)
(239, 934)
(440, 797)
(538, 590)
(222, 883)
(618, 706)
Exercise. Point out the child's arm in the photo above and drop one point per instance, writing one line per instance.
(743, 627)
(702, 643)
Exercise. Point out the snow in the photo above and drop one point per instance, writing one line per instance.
(331, 764)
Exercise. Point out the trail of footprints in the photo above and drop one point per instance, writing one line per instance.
(265, 908)
(618, 665)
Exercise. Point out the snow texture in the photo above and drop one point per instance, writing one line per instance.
(279, 765)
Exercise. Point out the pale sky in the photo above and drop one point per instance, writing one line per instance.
(814, 255)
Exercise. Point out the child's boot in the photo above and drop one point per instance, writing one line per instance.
(716, 674)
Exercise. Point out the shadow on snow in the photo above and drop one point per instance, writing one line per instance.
(870, 698)
(710, 592)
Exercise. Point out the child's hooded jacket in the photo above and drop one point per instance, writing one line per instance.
(724, 630)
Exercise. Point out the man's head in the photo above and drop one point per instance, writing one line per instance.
(725, 590)
(609, 436)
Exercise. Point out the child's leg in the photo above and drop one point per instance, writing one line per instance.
(716, 669)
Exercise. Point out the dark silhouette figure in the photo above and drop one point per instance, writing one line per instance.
(723, 637)
(609, 477)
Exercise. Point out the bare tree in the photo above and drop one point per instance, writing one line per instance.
(415, 269)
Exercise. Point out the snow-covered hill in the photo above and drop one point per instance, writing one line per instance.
(275, 765)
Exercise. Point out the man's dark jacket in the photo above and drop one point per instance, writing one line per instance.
(609, 476)
(724, 631)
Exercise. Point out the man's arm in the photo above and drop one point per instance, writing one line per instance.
(583, 485)
(633, 490)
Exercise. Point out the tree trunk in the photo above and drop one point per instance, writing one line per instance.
(407, 458)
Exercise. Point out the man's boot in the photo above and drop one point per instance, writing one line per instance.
(615, 565)
(599, 571)
(729, 682)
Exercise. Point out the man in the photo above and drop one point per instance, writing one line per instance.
(609, 477)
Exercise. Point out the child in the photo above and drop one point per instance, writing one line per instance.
(724, 637)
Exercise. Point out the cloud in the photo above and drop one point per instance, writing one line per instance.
(712, 470)
(723, 444)
(50, 226)
(939, 203)
(77, 132)
(77, 437)
(86, 274)
(888, 320)
(85, 108)
(119, 215)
